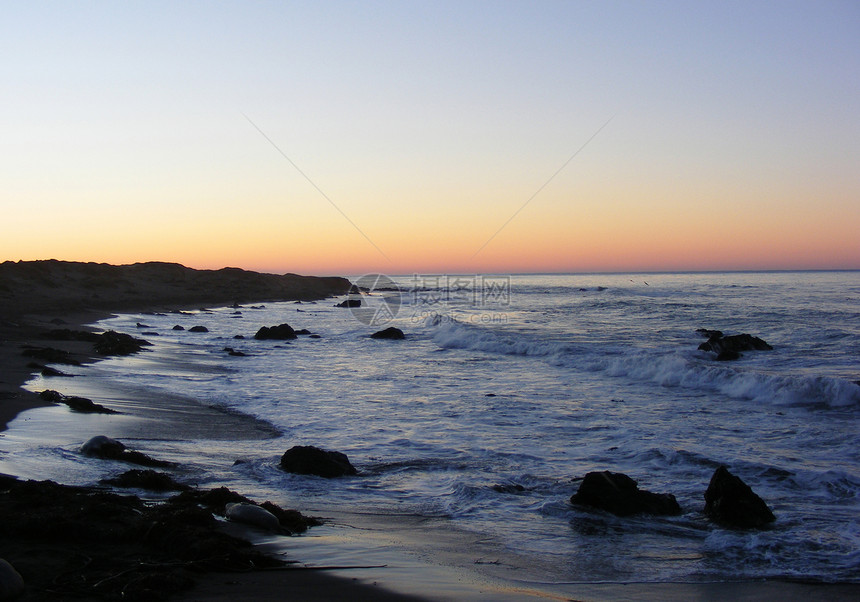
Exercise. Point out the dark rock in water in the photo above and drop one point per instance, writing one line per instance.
(314, 336)
(282, 332)
(732, 503)
(709, 334)
(303, 331)
(307, 459)
(51, 395)
(730, 347)
(198, 329)
(389, 333)
(728, 356)
(350, 303)
(239, 336)
(619, 494)
(49, 354)
(104, 447)
(234, 353)
(178, 327)
(86, 406)
(139, 325)
(150, 480)
(117, 343)
(48, 371)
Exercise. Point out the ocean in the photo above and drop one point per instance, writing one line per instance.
(507, 390)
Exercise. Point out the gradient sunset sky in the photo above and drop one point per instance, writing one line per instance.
(710, 135)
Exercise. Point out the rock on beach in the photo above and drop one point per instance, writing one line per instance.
(618, 494)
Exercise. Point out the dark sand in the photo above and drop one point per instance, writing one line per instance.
(40, 296)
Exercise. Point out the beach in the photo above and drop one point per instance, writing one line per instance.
(178, 416)
(42, 297)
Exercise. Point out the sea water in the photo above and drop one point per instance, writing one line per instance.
(505, 392)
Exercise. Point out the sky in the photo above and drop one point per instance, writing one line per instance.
(432, 137)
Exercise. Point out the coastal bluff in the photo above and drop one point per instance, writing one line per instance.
(66, 286)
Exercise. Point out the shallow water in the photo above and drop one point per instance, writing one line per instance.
(484, 415)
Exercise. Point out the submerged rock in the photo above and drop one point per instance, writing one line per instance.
(389, 333)
(730, 347)
(198, 329)
(732, 503)
(282, 332)
(618, 494)
(307, 459)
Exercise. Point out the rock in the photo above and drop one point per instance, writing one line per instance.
(253, 515)
(314, 336)
(729, 347)
(86, 406)
(234, 353)
(708, 334)
(146, 479)
(303, 331)
(141, 326)
(48, 371)
(732, 503)
(198, 329)
(307, 459)
(282, 332)
(102, 446)
(11, 583)
(389, 333)
(178, 327)
(350, 303)
(117, 343)
(51, 395)
(618, 494)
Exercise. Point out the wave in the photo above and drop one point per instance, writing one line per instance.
(665, 367)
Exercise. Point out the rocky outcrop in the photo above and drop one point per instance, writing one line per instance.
(730, 347)
(282, 332)
(732, 503)
(389, 333)
(618, 494)
(118, 343)
(198, 329)
(104, 447)
(43, 286)
(349, 303)
(310, 460)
